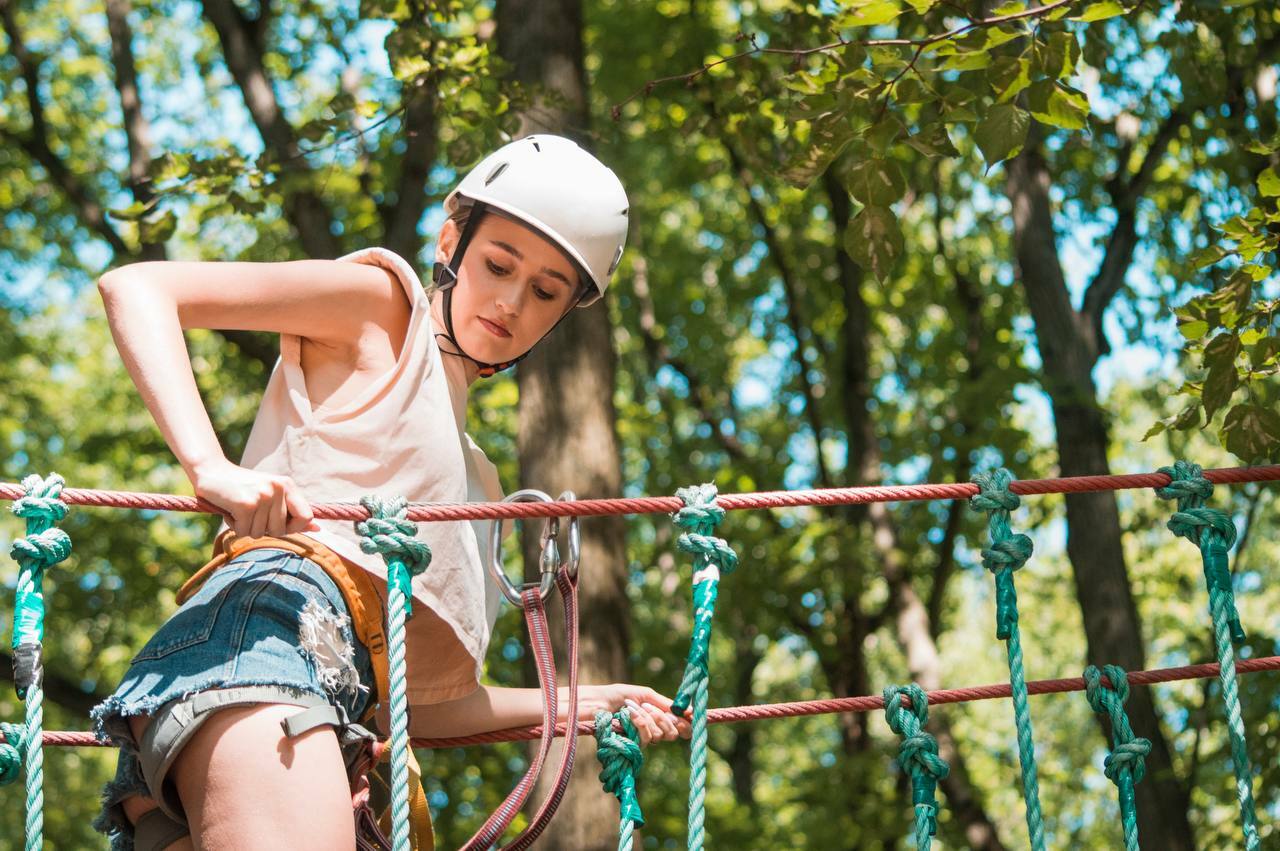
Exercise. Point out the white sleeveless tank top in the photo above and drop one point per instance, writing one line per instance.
(404, 435)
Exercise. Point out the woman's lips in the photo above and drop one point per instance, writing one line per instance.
(494, 328)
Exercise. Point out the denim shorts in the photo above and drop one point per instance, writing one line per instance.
(269, 626)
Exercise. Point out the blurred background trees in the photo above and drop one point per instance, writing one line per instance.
(963, 234)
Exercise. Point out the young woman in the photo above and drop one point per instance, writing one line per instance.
(232, 720)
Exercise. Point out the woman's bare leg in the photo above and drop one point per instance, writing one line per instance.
(245, 786)
(136, 806)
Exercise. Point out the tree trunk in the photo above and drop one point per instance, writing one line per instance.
(1069, 349)
(567, 437)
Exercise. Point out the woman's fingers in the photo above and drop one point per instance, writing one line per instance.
(278, 511)
(645, 725)
(300, 517)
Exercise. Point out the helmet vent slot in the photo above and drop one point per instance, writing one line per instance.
(501, 167)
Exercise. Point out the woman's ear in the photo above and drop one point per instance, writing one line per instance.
(447, 241)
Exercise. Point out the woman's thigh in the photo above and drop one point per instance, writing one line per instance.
(246, 785)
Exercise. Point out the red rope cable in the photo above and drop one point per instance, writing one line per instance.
(734, 714)
(435, 511)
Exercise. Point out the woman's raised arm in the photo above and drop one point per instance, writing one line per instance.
(149, 304)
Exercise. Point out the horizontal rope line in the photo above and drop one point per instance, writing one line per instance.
(870, 703)
(436, 511)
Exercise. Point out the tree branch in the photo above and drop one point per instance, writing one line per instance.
(1125, 194)
(792, 289)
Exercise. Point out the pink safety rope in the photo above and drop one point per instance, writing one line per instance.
(437, 511)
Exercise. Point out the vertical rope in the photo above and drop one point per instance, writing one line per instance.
(389, 533)
(1214, 533)
(917, 755)
(1126, 764)
(712, 555)
(43, 546)
(621, 760)
(1007, 554)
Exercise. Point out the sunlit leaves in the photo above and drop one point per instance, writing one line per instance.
(1002, 132)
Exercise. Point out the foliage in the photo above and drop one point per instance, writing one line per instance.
(761, 345)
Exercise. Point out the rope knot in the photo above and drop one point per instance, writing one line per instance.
(1128, 754)
(1188, 482)
(993, 492)
(712, 549)
(1010, 554)
(918, 751)
(13, 752)
(43, 549)
(390, 533)
(699, 518)
(1209, 529)
(41, 499)
(621, 760)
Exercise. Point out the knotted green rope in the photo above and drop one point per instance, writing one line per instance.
(1214, 533)
(917, 755)
(1007, 554)
(1126, 764)
(389, 533)
(712, 555)
(621, 760)
(42, 547)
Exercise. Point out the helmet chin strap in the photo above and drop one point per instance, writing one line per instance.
(446, 278)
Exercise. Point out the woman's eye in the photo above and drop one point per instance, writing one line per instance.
(543, 294)
(495, 268)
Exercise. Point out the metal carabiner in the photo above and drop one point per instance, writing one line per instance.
(549, 562)
(509, 589)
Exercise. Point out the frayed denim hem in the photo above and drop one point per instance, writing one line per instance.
(112, 820)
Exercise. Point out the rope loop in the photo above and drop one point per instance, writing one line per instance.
(43, 549)
(390, 533)
(13, 752)
(621, 760)
(917, 753)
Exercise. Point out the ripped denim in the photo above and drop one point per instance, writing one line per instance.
(269, 623)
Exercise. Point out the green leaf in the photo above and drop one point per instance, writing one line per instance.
(159, 229)
(1264, 352)
(1009, 75)
(868, 13)
(921, 6)
(933, 141)
(1100, 11)
(1222, 351)
(1058, 104)
(971, 61)
(1002, 132)
(1193, 329)
(876, 182)
(1208, 255)
(1056, 56)
(1251, 432)
(1269, 182)
(885, 132)
(1188, 418)
(1219, 385)
(1156, 428)
(874, 239)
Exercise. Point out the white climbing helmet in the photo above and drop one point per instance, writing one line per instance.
(551, 184)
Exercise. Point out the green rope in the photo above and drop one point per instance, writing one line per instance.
(712, 555)
(1007, 554)
(389, 533)
(1126, 764)
(917, 755)
(621, 760)
(43, 546)
(1214, 533)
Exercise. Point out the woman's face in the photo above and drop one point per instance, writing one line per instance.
(514, 285)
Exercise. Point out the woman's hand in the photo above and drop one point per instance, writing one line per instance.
(650, 711)
(255, 504)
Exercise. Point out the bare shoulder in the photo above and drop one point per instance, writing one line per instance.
(332, 301)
